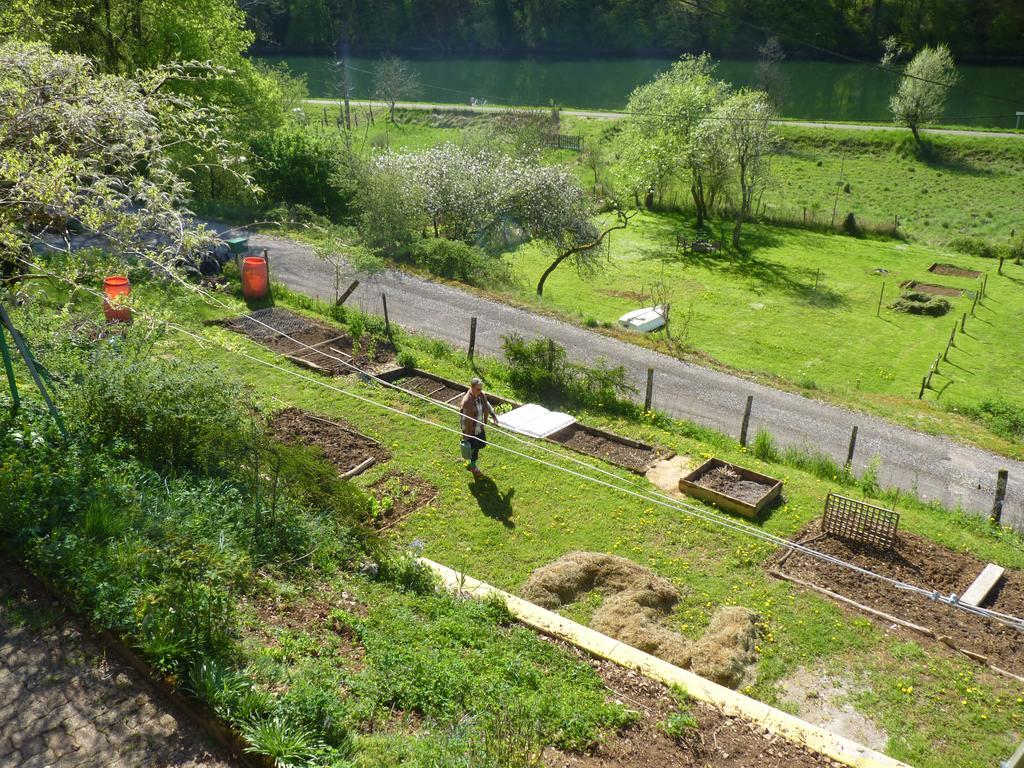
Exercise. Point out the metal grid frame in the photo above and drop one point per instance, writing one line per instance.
(859, 521)
(280, 320)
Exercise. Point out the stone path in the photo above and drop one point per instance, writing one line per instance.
(65, 703)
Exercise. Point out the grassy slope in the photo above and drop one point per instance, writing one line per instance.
(500, 530)
(801, 307)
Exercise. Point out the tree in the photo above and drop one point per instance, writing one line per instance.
(657, 134)
(921, 95)
(101, 155)
(393, 80)
(577, 239)
(748, 139)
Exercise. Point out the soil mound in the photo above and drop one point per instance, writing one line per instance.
(635, 602)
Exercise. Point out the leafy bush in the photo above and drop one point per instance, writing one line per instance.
(540, 369)
(170, 414)
(452, 259)
(1002, 417)
(974, 246)
(301, 167)
(915, 303)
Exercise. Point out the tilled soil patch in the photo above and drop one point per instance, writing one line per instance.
(720, 741)
(953, 270)
(726, 481)
(935, 290)
(923, 563)
(292, 335)
(612, 451)
(343, 446)
(398, 495)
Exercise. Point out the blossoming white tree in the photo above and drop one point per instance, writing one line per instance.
(82, 153)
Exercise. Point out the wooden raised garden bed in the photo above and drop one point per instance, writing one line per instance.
(730, 487)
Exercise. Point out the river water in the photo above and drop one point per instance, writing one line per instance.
(816, 90)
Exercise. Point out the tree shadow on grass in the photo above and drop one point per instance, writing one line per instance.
(493, 503)
(745, 265)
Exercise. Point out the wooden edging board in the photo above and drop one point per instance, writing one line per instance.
(689, 486)
(727, 701)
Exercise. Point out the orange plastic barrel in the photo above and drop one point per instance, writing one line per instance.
(254, 277)
(116, 288)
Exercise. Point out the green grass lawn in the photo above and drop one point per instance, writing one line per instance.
(800, 308)
(524, 516)
(964, 186)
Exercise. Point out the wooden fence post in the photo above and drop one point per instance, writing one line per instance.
(387, 320)
(746, 421)
(878, 312)
(853, 445)
(997, 506)
(1000, 265)
(348, 292)
(650, 389)
(472, 336)
(976, 294)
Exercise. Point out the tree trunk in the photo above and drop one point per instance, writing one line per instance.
(649, 198)
(737, 227)
(913, 130)
(551, 268)
(699, 203)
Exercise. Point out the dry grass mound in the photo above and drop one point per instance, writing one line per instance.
(636, 600)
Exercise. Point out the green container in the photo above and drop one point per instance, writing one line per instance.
(238, 245)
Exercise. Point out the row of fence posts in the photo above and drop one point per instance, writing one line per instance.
(1002, 477)
(926, 380)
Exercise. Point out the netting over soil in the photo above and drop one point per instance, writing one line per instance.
(292, 334)
(635, 602)
(925, 564)
(343, 446)
(953, 270)
(621, 454)
(435, 390)
(935, 290)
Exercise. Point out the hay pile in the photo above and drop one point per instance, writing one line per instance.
(635, 602)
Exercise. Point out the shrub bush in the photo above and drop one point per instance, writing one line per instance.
(300, 167)
(170, 414)
(451, 259)
(974, 246)
(540, 369)
(1002, 417)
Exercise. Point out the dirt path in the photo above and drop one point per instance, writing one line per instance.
(64, 702)
(935, 467)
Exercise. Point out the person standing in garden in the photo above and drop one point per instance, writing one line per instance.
(473, 413)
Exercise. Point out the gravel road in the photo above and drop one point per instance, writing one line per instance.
(934, 467)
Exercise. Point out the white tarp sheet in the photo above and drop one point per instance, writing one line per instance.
(535, 420)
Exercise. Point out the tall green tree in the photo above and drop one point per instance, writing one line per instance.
(920, 97)
(657, 137)
(742, 128)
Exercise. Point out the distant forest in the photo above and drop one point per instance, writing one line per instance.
(974, 29)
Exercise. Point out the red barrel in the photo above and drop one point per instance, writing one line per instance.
(117, 289)
(254, 277)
